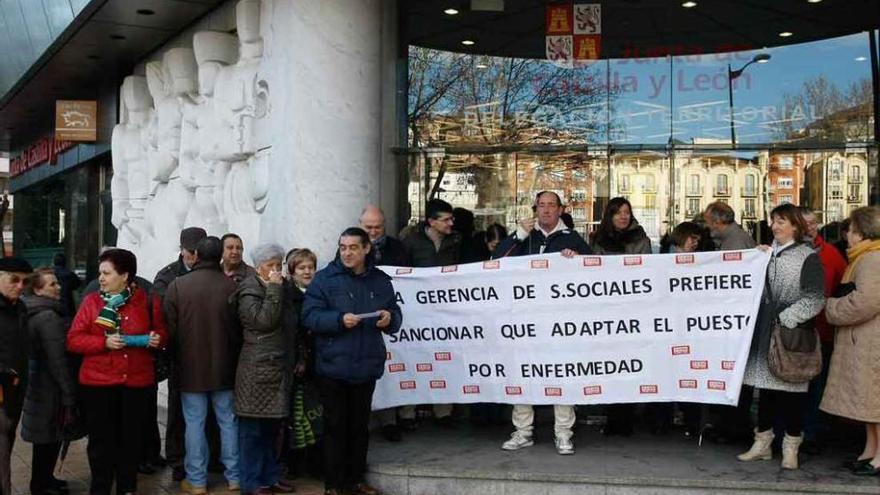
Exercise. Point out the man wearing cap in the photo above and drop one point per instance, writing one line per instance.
(175, 427)
(13, 359)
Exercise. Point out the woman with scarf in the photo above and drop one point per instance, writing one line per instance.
(620, 233)
(117, 331)
(853, 388)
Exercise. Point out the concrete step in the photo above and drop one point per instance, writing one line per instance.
(467, 461)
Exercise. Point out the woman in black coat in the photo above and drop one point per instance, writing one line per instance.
(51, 393)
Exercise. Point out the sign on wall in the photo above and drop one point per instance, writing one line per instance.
(573, 32)
(588, 330)
(76, 120)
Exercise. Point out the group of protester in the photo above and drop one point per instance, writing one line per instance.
(239, 343)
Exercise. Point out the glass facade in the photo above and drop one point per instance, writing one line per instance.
(65, 214)
(671, 134)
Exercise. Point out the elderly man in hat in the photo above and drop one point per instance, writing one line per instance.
(175, 427)
(13, 358)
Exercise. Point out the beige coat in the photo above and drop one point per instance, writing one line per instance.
(853, 389)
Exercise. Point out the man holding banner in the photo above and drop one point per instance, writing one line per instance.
(547, 234)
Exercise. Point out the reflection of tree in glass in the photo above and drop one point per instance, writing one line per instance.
(487, 105)
(823, 111)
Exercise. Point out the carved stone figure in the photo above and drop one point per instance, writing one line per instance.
(241, 104)
(213, 52)
(168, 81)
(130, 186)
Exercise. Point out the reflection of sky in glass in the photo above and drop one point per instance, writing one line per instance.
(694, 86)
(698, 86)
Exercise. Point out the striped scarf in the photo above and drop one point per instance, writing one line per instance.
(109, 315)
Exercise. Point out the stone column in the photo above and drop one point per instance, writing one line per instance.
(323, 65)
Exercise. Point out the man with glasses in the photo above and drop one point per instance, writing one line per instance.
(13, 358)
(433, 243)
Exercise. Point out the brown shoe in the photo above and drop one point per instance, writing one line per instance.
(364, 489)
(281, 487)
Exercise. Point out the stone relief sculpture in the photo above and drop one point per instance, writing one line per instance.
(241, 103)
(193, 144)
(130, 185)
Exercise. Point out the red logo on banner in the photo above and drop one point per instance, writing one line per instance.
(423, 367)
(396, 367)
(387, 356)
(403, 271)
(699, 365)
(449, 269)
(437, 383)
(553, 391)
(442, 356)
(593, 390)
(728, 365)
(684, 259)
(733, 256)
(471, 389)
(592, 261)
(680, 350)
(687, 384)
(408, 385)
(717, 385)
(648, 389)
(513, 390)
(540, 264)
(632, 260)
(491, 265)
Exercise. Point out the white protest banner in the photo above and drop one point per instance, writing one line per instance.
(544, 329)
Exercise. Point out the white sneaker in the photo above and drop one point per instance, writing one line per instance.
(518, 440)
(564, 446)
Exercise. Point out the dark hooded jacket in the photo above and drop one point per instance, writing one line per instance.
(558, 240)
(633, 240)
(355, 355)
(421, 251)
(13, 354)
(50, 384)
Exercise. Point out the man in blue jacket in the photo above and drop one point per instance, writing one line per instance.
(348, 306)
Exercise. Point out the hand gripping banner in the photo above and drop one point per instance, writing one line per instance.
(544, 329)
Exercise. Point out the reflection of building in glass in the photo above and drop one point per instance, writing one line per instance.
(837, 184)
(785, 177)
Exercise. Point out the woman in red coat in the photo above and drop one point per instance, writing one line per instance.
(116, 330)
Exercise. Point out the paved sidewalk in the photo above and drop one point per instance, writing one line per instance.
(76, 470)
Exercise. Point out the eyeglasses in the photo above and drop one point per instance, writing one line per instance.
(17, 280)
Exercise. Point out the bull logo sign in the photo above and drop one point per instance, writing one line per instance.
(76, 120)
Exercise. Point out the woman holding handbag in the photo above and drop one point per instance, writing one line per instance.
(794, 295)
(853, 388)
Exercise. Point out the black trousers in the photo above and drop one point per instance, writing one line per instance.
(43, 466)
(115, 421)
(789, 406)
(152, 440)
(175, 427)
(8, 423)
(346, 430)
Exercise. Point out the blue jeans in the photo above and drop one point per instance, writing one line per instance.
(195, 410)
(259, 467)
